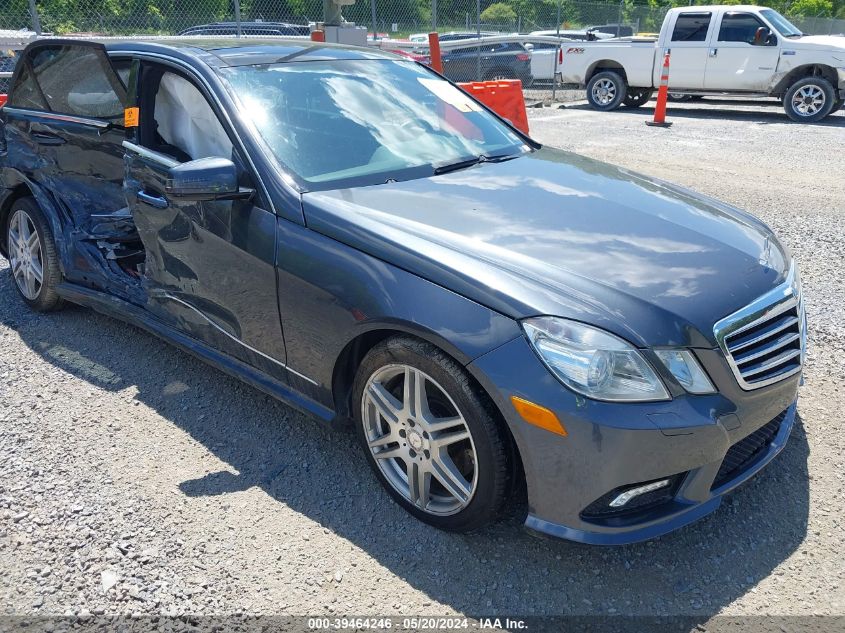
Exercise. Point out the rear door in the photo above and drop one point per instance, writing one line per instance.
(737, 58)
(687, 40)
(64, 124)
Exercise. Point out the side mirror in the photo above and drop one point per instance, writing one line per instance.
(205, 179)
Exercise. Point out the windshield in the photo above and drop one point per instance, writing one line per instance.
(783, 26)
(357, 122)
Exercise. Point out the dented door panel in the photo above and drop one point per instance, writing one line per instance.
(209, 268)
(78, 166)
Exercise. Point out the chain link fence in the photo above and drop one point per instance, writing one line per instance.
(399, 24)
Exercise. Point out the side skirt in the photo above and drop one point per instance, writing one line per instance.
(124, 311)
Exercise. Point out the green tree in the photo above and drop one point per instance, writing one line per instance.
(812, 8)
(498, 13)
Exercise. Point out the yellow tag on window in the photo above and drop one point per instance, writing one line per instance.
(130, 117)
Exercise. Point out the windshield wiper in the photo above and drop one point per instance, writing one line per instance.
(463, 163)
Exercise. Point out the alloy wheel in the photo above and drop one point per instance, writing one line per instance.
(604, 91)
(808, 100)
(25, 256)
(419, 439)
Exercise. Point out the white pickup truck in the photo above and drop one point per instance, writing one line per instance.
(716, 50)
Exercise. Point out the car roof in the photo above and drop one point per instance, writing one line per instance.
(231, 51)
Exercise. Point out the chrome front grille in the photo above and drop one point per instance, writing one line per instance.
(765, 341)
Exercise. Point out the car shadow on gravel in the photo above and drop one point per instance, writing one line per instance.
(322, 474)
(722, 110)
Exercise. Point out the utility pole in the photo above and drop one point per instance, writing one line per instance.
(33, 13)
(478, 32)
(557, 54)
(238, 16)
(331, 13)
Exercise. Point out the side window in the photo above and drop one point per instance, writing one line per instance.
(69, 79)
(25, 93)
(122, 68)
(739, 27)
(186, 126)
(691, 27)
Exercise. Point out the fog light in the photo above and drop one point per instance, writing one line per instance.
(629, 494)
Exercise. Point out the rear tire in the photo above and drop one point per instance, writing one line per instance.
(33, 260)
(606, 90)
(450, 447)
(809, 99)
(678, 96)
(635, 97)
(498, 74)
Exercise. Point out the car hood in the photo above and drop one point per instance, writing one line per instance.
(817, 42)
(556, 233)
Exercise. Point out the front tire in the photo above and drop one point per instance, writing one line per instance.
(606, 90)
(431, 435)
(635, 97)
(33, 260)
(809, 100)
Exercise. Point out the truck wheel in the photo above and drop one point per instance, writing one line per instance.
(32, 256)
(606, 90)
(636, 97)
(809, 99)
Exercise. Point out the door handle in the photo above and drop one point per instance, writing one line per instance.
(43, 138)
(159, 202)
(713, 52)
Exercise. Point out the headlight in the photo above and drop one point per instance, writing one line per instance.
(593, 362)
(686, 370)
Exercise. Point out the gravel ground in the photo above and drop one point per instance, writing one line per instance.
(135, 479)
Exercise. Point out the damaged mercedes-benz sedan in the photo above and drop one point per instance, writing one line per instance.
(354, 235)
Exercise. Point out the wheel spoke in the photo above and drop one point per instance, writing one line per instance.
(23, 227)
(34, 244)
(448, 439)
(37, 272)
(444, 469)
(384, 440)
(439, 425)
(386, 405)
(419, 484)
(14, 239)
(391, 453)
(414, 394)
(30, 284)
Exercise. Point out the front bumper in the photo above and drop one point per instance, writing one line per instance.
(612, 445)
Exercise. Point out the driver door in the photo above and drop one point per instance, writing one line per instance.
(735, 60)
(210, 264)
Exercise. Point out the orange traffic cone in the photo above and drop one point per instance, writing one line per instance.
(662, 96)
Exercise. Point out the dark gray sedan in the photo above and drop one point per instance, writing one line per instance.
(354, 235)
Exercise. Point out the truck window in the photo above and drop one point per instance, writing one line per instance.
(691, 27)
(739, 27)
